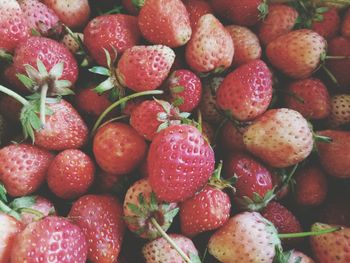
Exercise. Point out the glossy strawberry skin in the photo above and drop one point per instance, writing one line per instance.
(110, 32)
(247, 91)
(23, 168)
(100, 216)
(180, 161)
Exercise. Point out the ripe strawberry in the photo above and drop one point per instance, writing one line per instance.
(114, 33)
(345, 27)
(231, 137)
(180, 161)
(90, 102)
(297, 53)
(145, 67)
(118, 148)
(185, 89)
(218, 55)
(160, 251)
(246, 237)
(13, 25)
(247, 91)
(100, 218)
(208, 132)
(280, 137)
(335, 210)
(340, 110)
(331, 247)
(50, 239)
(247, 46)
(72, 13)
(166, 23)
(310, 97)
(279, 21)
(23, 168)
(105, 182)
(335, 156)
(130, 7)
(311, 186)
(70, 174)
(196, 9)
(297, 255)
(9, 228)
(329, 26)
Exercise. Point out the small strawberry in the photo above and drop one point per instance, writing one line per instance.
(297, 53)
(118, 148)
(247, 46)
(100, 218)
(329, 25)
(345, 27)
(217, 56)
(196, 9)
(166, 23)
(50, 239)
(280, 137)
(247, 91)
(231, 137)
(23, 168)
(180, 161)
(90, 102)
(340, 110)
(70, 41)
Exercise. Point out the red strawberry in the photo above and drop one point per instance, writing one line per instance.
(310, 97)
(340, 110)
(279, 21)
(280, 137)
(38, 203)
(90, 102)
(72, 13)
(335, 156)
(130, 7)
(23, 168)
(345, 27)
(70, 174)
(246, 237)
(165, 22)
(105, 182)
(214, 57)
(145, 67)
(114, 33)
(247, 46)
(50, 239)
(231, 137)
(118, 148)
(180, 161)
(196, 9)
(185, 89)
(247, 91)
(329, 26)
(311, 186)
(13, 25)
(9, 228)
(100, 218)
(297, 53)
(296, 255)
(208, 132)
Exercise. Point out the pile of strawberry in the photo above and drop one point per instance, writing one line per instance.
(169, 131)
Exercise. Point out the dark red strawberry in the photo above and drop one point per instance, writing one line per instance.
(208, 131)
(329, 25)
(336, 210)
(130, 7)
(101, 219)
(345, 27)
(231, 137)
(196, 9)
(90, 102)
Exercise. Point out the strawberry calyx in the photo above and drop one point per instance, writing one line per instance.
(216, 181)
(257, 202)
(283, 257)
(6, 57)
(138, 3)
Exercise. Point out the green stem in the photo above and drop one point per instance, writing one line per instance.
(330, 74)
(200, 121)
(7, 210)
(13, 95)
(308, 234)
(337, 57)
(32, 211)
(171, 242)
(43, 95)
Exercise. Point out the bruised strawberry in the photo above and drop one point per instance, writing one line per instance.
(196, 9)
(340, 110)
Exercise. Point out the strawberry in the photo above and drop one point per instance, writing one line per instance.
(23, 168)
(247, 91)
(309, 97)
(247, 46)
(297, 53)
(9, 228)
(10, 108)
(130, 7)
(13, 25)
(70, 174)
(105, 182)
(145, 67)
(217, 56)
(180, 161)
(311, 186)
(335, 156)
(329, 26)
(331, 247)
(196, 9)
(160, 251)
(140, 205)
(246, 237)
(185, 89)
(231, 137)
(114, 33)
(73, 14)
(165, 22)
(335, 210)
(345, 27)
(100, 218)
(118, 148)
(208, 132)
(71, 43)
(340, 110)
(297, 255)
(90, 102)
(279, 21)
(280, 137)
(50, 239)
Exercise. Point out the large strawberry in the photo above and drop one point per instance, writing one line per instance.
(214, 57)
(100, 218)
(340, 110)
(246, 92)
(165, 22)
(180, 161)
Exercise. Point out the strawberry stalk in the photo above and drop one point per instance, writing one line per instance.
(311, 233)
(43, 95)
(14, 95)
